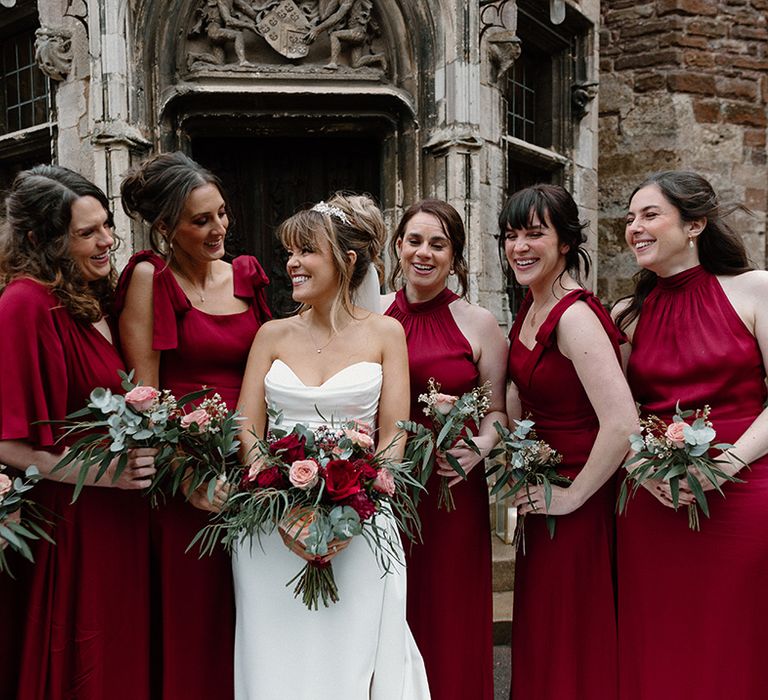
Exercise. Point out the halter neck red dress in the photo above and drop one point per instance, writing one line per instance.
(193, 623)
(693, 608)
(74, 624)
(564, 615)
(449, 575)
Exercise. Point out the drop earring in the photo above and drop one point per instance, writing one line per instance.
(690, 241)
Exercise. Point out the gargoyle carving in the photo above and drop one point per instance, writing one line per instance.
(53, 52)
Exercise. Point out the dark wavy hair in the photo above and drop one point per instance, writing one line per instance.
(453, 227)
(563, 212)
(36, 241)
(721, 250)
(156, 192)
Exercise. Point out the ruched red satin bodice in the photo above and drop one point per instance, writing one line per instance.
(193, 623)
(701, 633)
(449, 575)
(74, 624)
(564, 619)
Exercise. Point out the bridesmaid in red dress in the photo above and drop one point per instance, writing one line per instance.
(74, 625)
(692, 605)
(566, 376)
(187, 320)
(461, 346)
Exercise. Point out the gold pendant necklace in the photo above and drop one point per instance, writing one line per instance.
(318, 350)
(197, 290)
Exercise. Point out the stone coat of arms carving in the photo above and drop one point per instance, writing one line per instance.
(285, 28)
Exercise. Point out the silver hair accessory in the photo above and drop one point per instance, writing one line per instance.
(330, 210)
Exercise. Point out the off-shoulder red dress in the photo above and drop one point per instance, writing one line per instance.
(693, 605)
(83, 631)
(564, 614)
(193, 620)
(449, 575)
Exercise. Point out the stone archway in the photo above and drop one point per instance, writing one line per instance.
(223, 78)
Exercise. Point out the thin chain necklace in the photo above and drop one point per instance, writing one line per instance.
(320, 348)
(195, 288)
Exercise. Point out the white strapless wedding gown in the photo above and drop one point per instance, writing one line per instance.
(357, 649)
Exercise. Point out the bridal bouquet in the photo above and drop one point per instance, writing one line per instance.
(528, 462)
(111, 424)
(668, 452)
(319, 488)
(17, 528)
(452, 418)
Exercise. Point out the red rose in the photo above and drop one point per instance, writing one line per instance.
(341, 479)
(364, 506)
(289, 448)
(271, 478)
(367, 470)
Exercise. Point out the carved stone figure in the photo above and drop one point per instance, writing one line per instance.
(503, 50)
(53, 52)
(351, 24)
(218, 21)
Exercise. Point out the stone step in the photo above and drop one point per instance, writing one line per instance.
(502, 617)
(503, 558)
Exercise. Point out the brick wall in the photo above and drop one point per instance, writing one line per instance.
(683, 84)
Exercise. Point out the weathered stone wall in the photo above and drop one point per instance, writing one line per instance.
(683, 84)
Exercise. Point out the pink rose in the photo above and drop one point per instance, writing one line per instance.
(443, 403)
(303, 474)
(359, 438)
(199, 416)
(385, 482)
(675, 433)
(141, 398)
(5, 485)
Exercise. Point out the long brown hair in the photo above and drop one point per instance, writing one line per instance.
(36, 241)
(721, 250)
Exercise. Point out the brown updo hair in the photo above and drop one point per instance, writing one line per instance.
(35, 241)
(363, 232)
(453, 228)
(156, 192)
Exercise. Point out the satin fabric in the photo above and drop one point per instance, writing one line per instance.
(193, 618)
(449, 574)
(564, 614)
(692, 605)
(77, 625)
(359, 647)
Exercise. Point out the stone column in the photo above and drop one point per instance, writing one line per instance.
(95, 136)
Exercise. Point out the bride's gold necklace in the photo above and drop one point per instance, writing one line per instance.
(320, 348)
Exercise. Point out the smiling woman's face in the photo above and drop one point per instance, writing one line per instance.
(90, 238)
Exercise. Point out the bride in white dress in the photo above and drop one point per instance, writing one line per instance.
(341, 361)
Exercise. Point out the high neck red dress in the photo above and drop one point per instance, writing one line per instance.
(75, 624)
(193, 619)
(564, 614)
(449, 575)
(692, 605)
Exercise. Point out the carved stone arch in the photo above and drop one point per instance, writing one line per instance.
(244, 92)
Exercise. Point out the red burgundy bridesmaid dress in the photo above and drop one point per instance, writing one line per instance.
(564, 614)
(84, 628)
(449, 575)
(693, 608)
(194, 621)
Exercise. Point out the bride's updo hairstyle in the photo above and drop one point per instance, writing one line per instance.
(348, 223)
(156, 192)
